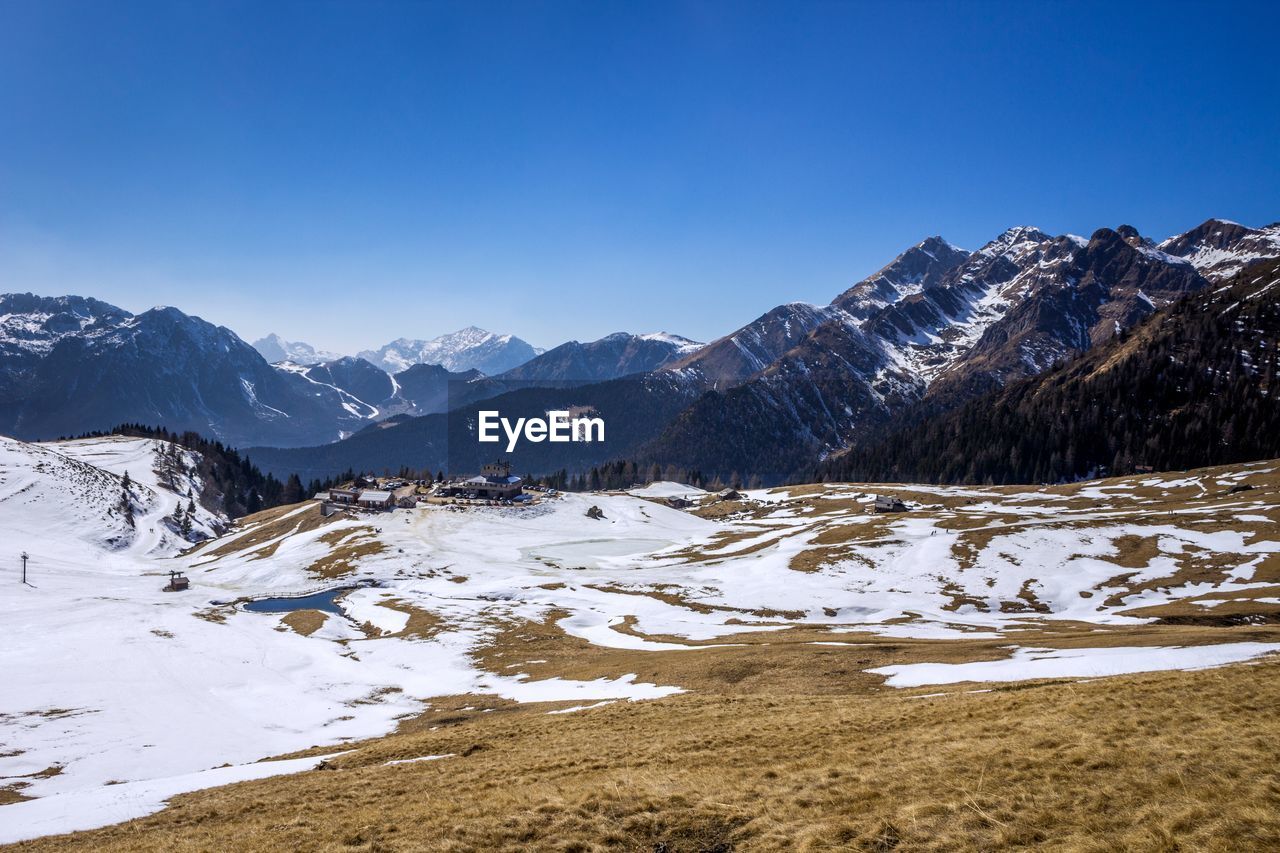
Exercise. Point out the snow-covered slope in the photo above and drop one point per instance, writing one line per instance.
(471, 348)
(65, 502)
(110, 680)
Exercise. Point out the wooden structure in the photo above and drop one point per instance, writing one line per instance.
(344, 496)
(677, 502)
(374, 499)
(888, 503)
(177, 582)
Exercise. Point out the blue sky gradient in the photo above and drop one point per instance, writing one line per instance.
(347, 173)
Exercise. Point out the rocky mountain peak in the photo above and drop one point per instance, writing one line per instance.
(918, 268)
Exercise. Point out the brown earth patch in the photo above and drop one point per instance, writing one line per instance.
(304, 622)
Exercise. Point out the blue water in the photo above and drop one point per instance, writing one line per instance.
(316, 601)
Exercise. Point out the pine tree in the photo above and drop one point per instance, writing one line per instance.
(126, 505)
(292, 493)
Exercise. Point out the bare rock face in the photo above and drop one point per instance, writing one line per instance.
(1220, 249)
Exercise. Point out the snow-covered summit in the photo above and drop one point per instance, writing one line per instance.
(614, 355)
(683, 345)
(465, 349)
(919, 267)
(1219, 248)
(34, 324)
(275, 348)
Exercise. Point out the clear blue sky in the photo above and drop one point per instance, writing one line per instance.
(346, 173)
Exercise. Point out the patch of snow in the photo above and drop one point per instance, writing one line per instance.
(1026, 664)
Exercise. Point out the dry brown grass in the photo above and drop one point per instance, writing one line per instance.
(346, 547)
(262, 527)
(786, 745)
(1154, 762)
(422, 624)
(304, 622)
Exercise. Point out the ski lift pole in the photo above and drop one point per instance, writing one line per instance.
(24, 566)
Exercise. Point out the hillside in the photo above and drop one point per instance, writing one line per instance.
(446, 441)
(828, 652)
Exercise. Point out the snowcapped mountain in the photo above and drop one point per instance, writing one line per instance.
(30, 325)
(471, 348)
(275, 348)
(937, 325)
(1194, 387)
(1069, 296)
(368, 392)
(917, 268)
(1220, 248)
(618, 354)
(70, 365)
(928, 329)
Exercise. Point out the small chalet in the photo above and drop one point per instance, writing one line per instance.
(678, 502)
(888, 503)
(344, 496)
(375, 499)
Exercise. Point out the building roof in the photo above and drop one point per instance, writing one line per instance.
(481, 480)
(372, 495)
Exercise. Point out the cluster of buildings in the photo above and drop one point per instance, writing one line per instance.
(384, 497)
(494, 483)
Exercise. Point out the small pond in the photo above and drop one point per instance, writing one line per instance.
(316, 601)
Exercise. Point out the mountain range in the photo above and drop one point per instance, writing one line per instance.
(71, 365)
(471, 348)
(936, 327)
